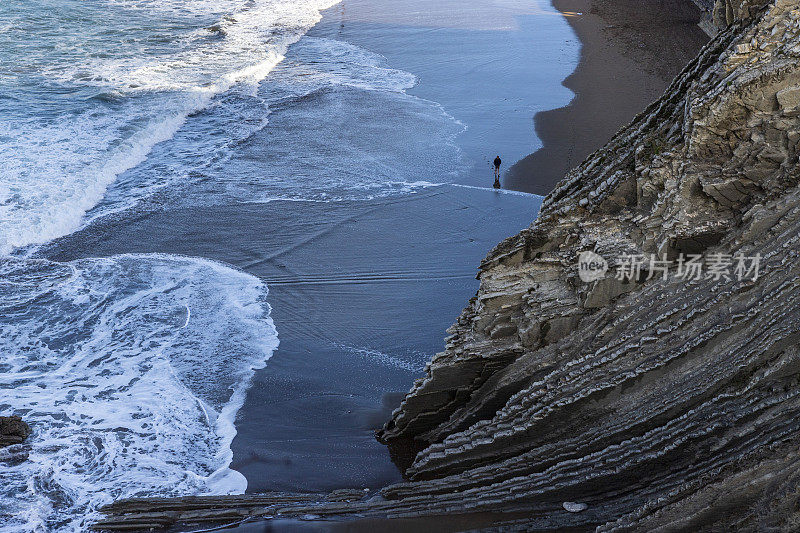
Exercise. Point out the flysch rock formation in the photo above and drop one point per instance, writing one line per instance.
(657, 402)
(722, 13)
(652, 404)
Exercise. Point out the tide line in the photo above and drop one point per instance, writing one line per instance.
(462, 186)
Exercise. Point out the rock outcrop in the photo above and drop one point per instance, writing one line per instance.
(650, 403)
(723, 13)
(657, 401)
(13, 431)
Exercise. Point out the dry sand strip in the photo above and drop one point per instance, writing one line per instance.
(632, 49)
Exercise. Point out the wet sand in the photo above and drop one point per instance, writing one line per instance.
(361, 295)
(632, 49)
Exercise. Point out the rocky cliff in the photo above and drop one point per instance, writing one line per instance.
(654, 401)
(723, 13)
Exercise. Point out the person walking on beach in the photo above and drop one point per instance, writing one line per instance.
(497, 162)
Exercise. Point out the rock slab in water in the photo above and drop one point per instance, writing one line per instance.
(13, 431)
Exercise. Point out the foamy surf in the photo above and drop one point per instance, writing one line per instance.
(131, 370)
(134, 71)
(318, 80)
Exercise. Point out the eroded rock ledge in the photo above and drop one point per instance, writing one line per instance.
(658, 403)
(653, 405)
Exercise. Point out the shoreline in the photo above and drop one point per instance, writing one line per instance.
(527, 422)
(624, 65)
(307, 422)
(364, 277)
(490, 67)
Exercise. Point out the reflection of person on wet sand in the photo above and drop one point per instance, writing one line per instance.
(497, 162)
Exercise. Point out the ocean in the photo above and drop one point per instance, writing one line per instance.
(132, 350)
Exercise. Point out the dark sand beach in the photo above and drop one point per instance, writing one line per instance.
(632, 49)
(362, 291)
(492, 66)
(361, 294)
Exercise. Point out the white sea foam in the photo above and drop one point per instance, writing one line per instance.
(490, 189)
(133, 86)
(330, 91)
(319, 62)
(131, 370)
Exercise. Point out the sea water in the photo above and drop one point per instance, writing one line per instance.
(131, 368)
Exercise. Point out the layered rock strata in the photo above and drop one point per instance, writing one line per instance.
(654, 401)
